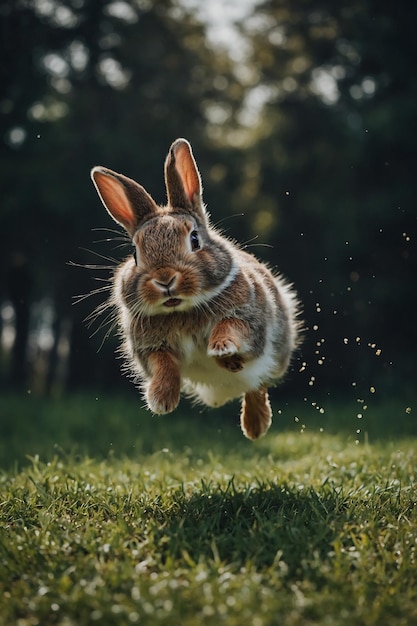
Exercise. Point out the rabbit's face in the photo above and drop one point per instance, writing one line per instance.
(165, 247)
(169, 273)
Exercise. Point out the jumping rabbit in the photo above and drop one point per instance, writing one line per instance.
(197, 314)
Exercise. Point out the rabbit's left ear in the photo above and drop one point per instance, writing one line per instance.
(182, 178)
(127, 202)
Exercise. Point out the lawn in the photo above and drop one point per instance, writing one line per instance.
(112, 516)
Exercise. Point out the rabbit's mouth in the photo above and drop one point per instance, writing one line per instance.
(172, 302)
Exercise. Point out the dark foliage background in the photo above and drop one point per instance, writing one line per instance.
(305, 124)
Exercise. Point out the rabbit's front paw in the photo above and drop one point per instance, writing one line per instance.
(162, 399)
(225, 353)
(222, 348)
(232, 363)
(163, 389)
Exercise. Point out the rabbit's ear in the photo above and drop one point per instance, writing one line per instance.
(126, 201)
(182, 179)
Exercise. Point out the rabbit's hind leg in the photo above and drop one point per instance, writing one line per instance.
(256, 413)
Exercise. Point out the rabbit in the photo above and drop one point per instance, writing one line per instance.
(197, 313)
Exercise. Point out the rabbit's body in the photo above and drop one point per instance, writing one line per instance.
(187, 334)
(197, 313)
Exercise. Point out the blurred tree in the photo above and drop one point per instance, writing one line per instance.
(310, 136)
(332, 186)
(101, 82)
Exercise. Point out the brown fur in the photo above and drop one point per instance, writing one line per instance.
(227, 338)
(163, 392)
(256, 413)
(195, 312)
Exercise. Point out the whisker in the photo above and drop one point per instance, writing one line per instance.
(126, 241)
(228, 217)
(94, 292)
(100, 279)
(86, 266)
(107, 335)
(259, 245)
(109, 318)
(104, 316)
(123, 245)
(109, 230)
(101, 256)
(244, 244)
(99, 310)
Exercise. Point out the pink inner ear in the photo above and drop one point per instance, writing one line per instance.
(187, 170)
(115, 199)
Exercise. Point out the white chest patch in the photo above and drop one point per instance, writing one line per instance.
(205, 380)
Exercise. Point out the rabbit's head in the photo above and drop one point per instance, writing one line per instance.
(179, 261)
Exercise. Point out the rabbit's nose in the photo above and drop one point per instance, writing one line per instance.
(165, 283)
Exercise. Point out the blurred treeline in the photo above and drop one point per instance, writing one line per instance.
(305, 123)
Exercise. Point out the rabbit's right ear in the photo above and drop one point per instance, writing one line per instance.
(183, 181)
(127, 202)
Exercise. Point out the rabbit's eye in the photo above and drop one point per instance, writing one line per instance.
(195, 241)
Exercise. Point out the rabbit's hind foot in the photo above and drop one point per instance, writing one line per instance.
(256, 413)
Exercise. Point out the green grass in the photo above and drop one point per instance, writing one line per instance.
(120, 517)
